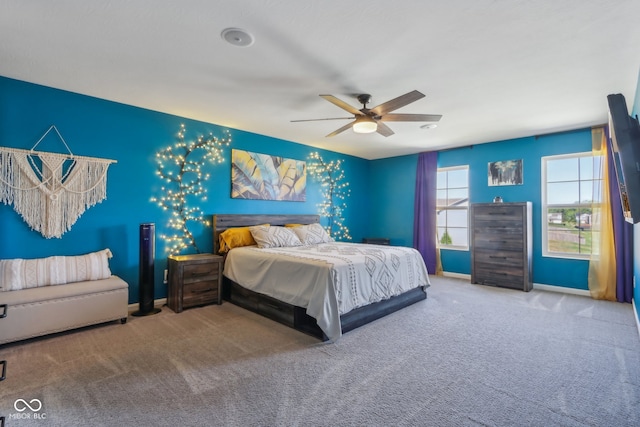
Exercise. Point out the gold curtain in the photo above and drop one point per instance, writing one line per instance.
(602, 265)
(439, 270)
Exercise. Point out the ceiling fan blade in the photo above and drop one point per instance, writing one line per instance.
(316, 120)
(396, 103)
(340, 103)
(384, 130)
(342, 129)
(411, 117)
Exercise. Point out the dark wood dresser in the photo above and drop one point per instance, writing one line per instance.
(194, 280)
(501, 246)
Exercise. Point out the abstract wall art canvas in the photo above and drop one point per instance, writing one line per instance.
(508, 172)
(265, 177)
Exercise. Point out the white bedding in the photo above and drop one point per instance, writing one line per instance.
(328, 279)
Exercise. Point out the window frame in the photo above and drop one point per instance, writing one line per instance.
(545, 206)
(466, 207)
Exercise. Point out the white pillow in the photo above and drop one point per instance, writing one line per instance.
(267, 236)
(312, 234)
(16, 274)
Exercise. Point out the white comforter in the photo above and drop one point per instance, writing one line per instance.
(328, 279)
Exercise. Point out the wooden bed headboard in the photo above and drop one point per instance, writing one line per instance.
(222, 222)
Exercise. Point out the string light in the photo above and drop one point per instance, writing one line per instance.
(181, 168)
(334, 191)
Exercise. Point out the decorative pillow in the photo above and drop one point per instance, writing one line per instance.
(274, 237)
(235, 237)
(16, 274)
(292, 225)
(312, 234)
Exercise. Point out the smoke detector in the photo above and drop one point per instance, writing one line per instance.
(237, 37)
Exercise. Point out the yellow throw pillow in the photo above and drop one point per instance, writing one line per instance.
(292, 225)
(235, 238)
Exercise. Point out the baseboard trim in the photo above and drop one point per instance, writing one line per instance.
(456, 275)
(561, 289)
(157, 303)
(538, 286)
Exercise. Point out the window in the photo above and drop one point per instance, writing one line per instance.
(452, 207)
(570, 190)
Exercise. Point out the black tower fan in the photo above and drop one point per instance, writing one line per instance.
(146, 277)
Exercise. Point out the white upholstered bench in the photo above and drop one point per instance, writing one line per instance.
(29, 313)
(44, 309)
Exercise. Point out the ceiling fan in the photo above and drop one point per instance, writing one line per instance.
(369, 120)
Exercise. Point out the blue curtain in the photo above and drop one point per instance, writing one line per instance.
(424, 215)
(623, 236)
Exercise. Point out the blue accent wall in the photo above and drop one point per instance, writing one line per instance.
(393, 216)
(392, 193)
(132, 136)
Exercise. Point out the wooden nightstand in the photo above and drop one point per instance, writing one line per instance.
(194, 280)
(376, 240)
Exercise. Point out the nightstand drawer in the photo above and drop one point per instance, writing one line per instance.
(205, 292)
(197, 272)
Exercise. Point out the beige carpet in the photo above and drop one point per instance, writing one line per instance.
(467, 356)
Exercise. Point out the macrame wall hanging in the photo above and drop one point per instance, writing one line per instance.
(51, 190)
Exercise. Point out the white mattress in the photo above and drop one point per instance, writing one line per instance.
(328, 279)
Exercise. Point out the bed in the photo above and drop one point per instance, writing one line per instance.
(324, 289)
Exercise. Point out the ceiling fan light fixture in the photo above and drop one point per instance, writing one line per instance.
(365, 124)
(369, 120)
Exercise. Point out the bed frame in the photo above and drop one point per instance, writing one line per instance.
(290, 315)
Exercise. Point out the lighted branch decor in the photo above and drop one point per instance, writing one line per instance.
(180, 167)
(334, 192)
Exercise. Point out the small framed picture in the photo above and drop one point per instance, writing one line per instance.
(507, 172)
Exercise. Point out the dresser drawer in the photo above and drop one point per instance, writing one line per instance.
(501, 278)
(497, 212)
(504, 241)
(500, 259)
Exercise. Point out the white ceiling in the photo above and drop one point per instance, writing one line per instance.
(495, 69)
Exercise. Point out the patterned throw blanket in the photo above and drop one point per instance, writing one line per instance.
(328, 279)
